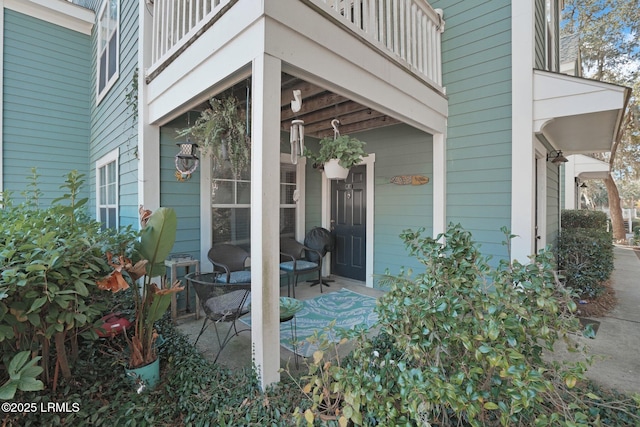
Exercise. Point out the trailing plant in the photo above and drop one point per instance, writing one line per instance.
(221, 132)
(147, 261)
(49, 259)
(347, 150)
(463, 342)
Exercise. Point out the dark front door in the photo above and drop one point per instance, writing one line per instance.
(348, 223)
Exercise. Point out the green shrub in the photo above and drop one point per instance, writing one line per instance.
(582, 218)
(462, 343)
(49, 261)
(585, 256)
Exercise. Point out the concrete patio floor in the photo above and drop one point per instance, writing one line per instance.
(616, 346)
(237, 353)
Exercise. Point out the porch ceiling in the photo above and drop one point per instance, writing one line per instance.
(319, 107)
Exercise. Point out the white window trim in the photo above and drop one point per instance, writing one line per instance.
(206, 204)
(101, 94)
(113, 156)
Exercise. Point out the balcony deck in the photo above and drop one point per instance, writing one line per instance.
(408, 32)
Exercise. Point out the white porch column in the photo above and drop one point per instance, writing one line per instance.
(148, 135)
(522, 136)
(265, 217)
(439, 184)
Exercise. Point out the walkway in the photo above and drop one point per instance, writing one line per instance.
(616, 347)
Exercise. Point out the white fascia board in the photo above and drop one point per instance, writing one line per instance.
(57, 12)
(557, 95)
(218, 59)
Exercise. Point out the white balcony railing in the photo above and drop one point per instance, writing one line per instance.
(176, 22)
(408, 29)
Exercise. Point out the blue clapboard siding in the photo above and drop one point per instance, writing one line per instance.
(112, 124)
(45, 104)
(184, 196)
(553, 204)
(476, 55)
(540, 35)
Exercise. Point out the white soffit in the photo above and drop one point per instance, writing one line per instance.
(586, 167)
(577, 115)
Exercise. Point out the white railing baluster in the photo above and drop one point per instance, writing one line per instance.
(409, 29)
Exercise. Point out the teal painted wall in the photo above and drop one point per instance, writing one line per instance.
(183, 196)
(112, 124)
(476, 63)
(399, 150)
(553, 203)
(540, 35)
(45, 107)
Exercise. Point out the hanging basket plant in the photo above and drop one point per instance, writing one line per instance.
(340, 152)
(221, 132)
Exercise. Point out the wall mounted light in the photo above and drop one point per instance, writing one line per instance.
(186, 160)
(556, 157)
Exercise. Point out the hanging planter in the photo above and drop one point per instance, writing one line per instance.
(221, 132)
(333, 170)
(340, 151)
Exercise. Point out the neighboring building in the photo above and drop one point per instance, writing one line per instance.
(478, 108)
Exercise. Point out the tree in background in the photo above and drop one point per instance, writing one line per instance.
(608, 32)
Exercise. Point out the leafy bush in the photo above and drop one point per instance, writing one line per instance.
(49, 261)
(582, 218)
(585, 254)
(192, 392)
(463, 343)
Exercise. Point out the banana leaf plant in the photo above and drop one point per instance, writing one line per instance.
(150, 301)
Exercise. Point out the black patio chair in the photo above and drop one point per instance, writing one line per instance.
(229, 260)
(221, 302)
(321, 240)
(294, 260)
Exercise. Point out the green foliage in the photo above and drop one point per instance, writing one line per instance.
(585, 251)
(22, 375)
(221, 131)
(192, 392)
(349, 151)
(463, 343)
(583, 218)
(321, 386)
(49, 259)
(150, 302)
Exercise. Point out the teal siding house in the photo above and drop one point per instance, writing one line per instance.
(465, 115)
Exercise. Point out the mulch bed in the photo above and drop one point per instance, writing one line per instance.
(599, 306)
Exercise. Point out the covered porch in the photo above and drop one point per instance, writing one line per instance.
(376, 69)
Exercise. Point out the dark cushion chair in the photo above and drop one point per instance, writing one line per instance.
(294, 260)
(229, 261)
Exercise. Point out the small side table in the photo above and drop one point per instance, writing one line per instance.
(187, 264)
(288, 309)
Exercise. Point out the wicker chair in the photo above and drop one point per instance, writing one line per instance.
(221, 302)
(229, 260)
(293, 260)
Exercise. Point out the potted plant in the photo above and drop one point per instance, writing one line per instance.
(337, 155)
(221, 132)
(150, 301)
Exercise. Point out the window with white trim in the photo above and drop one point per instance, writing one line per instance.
(231, 204)
(107, 190)
(108, 46)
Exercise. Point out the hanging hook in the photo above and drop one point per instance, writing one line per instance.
(334, 125)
